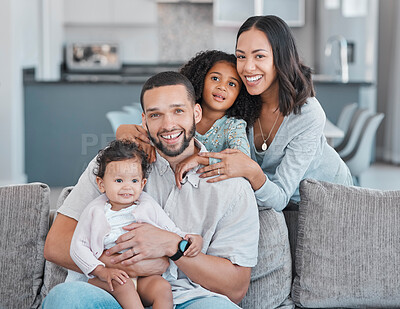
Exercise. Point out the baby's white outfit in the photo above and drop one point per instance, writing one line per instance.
(99, 227)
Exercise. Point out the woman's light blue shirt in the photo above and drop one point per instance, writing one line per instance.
(298, 151)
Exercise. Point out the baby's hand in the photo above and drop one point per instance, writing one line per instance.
(108, 274)
(196, 243)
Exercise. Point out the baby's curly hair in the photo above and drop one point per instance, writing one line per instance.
(119, 150)
(246, 106)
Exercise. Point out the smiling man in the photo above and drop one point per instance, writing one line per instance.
(171, 131)
(216, 278)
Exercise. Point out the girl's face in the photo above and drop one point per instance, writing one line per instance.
(255, 62)
(221, 87)
(122, 182)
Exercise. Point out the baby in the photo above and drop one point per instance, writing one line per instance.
(121, 176)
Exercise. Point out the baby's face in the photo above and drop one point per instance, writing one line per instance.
(122, 182)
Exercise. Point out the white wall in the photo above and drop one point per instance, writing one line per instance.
(387, 16)
(305, 35)
(19, 48)
(50, 38)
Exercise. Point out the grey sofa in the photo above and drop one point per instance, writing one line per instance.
(344, 244)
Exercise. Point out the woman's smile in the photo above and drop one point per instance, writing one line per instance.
(255, 61)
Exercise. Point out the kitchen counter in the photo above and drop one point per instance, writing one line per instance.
(334, 94)
(138, 74)
(104, 78)
(128, 74)
(336, 80)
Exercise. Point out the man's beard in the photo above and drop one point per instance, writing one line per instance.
(174, 152)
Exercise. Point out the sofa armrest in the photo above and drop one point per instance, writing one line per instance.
(53, 273)
(24, 215)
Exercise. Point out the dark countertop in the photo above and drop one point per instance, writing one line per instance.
(336, 80)
(104, 78)
(138, 74)
(128, 74)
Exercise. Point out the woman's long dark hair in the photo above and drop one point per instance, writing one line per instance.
(294, 78)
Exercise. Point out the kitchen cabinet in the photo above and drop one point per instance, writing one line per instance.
(110, 12)
(234, 12)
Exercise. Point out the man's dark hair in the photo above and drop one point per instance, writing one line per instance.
(294, 78)
(168, 78)
(119, 150)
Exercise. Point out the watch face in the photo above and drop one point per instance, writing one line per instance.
(183, 245)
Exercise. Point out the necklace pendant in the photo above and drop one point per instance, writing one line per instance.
(264, 146)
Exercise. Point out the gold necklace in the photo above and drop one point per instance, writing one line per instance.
(264, 146)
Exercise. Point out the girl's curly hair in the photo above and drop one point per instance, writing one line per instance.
(120, 150)
(246, 106)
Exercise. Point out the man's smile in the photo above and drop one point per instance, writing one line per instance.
(170, 136)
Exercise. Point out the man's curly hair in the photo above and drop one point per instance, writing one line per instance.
(246, 106)
(120, 150)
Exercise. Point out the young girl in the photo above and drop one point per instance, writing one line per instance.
(121, 176)
(226, 105)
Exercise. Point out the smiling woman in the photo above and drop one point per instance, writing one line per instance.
(256, 63)
(288, 144)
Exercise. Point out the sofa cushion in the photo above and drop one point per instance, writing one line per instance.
(24, 215)
(348, 244)
(271, 278)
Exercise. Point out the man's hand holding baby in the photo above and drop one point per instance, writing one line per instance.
(144, 241)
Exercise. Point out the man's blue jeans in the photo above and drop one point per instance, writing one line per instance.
(74, 295)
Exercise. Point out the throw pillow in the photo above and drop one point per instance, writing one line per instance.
(348, 244)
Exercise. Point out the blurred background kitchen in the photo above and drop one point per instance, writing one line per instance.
(65, 64)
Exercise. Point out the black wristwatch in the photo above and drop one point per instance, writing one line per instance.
(182, 247)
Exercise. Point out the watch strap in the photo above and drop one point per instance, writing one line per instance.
(182, 247)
